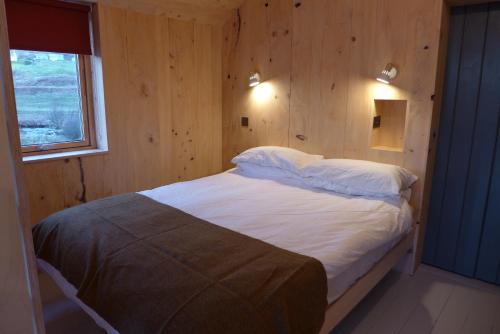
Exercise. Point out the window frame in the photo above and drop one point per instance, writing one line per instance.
(88, 120)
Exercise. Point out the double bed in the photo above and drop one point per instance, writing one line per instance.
(348, 235)
(357, 239)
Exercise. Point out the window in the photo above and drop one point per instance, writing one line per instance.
(51, 56)
(53, 107)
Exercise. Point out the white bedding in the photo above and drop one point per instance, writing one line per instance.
(347, 234)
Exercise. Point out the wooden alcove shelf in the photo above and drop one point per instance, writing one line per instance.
(389, 135)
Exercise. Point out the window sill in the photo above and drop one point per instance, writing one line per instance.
(62, 155)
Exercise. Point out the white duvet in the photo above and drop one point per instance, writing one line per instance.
(346, 234)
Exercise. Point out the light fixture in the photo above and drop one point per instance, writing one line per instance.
(388, 74)
(254, 79)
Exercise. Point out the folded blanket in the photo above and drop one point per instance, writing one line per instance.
(146, 267)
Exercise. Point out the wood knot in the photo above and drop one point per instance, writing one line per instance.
(144, 90)
(301, 137)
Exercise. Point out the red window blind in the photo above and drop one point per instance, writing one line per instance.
(48, 25)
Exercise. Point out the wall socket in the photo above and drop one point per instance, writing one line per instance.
(244, 121)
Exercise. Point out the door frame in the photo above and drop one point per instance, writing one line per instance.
(19, 287)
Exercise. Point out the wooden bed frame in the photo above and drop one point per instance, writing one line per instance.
(335, 312)
(348, 301)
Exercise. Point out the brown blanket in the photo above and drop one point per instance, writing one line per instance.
(149, 268)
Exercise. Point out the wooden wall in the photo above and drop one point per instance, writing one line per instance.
(319, 60)
(162, 87)
(20, 307)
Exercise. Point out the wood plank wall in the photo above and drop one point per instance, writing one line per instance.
(20, 306)
(319, 60)
(201, 11)
(162, 87)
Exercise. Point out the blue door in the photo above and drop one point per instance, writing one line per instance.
(463, 230)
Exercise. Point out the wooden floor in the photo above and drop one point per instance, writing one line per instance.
(431, 301)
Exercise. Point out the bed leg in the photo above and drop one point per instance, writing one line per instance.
(405, 265)
(411, 270)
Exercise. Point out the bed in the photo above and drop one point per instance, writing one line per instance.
(356, 239)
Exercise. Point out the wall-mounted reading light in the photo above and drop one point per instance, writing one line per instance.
(388, 74)
(254, 79)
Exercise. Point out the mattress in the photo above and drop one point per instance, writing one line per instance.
(347, 234)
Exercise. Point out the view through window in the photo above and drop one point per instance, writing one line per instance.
(48, 98)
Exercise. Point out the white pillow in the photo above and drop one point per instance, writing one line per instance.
(358, 177)
(277, 157)
(406, 194)
(263, 172)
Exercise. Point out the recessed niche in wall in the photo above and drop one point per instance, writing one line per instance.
(389, 121)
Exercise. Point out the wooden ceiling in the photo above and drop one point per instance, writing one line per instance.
(203, 11)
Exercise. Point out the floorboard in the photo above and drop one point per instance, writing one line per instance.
(431, 301)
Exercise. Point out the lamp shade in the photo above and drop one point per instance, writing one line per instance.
(254, 79)
(388, 74)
